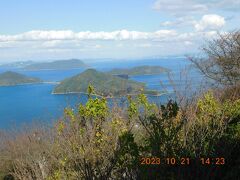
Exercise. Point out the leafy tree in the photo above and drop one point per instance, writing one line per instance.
(220, 59)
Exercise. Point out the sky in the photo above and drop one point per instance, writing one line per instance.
(120, 29)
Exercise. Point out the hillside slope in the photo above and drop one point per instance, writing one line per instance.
(57, 65)
(103, 83)
(10, 78)
(139, 70)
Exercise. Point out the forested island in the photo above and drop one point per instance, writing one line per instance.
(139, 70)
(57, 65)
(105, 84)
(10, 78)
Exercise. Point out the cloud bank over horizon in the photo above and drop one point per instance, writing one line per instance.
(161, 28)
(157, 43)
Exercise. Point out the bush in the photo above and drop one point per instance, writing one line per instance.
(98, 142)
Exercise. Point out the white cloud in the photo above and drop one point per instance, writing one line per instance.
(210, 22)
(181, 21)
(72, 40)
(210, 34)
(176, 7)
(186, 7)
(188, 43)
(144, 45)
(86, 35)
(228, 5)
(51, 44)
(167, 23)
(115, 44)
(97, 46)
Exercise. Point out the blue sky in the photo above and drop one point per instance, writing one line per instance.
(57, 29)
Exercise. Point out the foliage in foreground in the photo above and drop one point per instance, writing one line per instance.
(98, 142)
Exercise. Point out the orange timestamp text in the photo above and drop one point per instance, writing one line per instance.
(180, 161)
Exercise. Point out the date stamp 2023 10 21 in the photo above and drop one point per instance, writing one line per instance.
(181, 161)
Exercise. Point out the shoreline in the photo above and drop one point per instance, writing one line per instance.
(158, 95)
(132, 75)
(85, 93)
(22, 84)
(80, 68)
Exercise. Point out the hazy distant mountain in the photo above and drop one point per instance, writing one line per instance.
(57, 65)
(20, 64)
(104, 84)
(139, 70)
(10, 78)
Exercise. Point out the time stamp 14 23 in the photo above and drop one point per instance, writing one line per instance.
(181, 161)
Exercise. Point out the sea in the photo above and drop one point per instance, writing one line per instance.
(26, 104)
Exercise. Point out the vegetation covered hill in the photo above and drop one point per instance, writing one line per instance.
(105, 84)
(57, 65)
(12, 78)
(140, 70)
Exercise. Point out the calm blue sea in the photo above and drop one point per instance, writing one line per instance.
(26, 103)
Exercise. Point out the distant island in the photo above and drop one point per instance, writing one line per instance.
(57, 65)
(139, 70)
(104, 84)
(10, 78)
